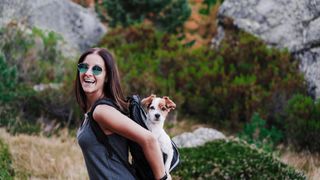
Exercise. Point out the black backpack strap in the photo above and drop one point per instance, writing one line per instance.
(103, 138)
(98, 132)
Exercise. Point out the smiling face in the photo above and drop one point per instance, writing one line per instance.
(92, 84)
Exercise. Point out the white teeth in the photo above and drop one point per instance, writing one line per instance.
(89, 81)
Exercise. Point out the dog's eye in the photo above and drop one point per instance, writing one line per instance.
(151, 107)
(163, 109)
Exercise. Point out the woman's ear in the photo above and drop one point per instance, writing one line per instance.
(147, 101)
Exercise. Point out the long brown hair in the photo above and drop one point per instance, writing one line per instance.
(111, 88)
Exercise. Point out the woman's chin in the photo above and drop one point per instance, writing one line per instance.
(88, 90)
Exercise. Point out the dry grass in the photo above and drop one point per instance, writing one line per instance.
(305, 161)
(39, 157)
(36, 157)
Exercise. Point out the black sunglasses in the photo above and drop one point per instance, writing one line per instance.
(83, 67)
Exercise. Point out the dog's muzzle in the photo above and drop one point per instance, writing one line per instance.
(157, 116)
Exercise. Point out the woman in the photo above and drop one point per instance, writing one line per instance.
(97, 78)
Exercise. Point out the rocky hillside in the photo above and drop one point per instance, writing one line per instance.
(79, 26)
(291, 24)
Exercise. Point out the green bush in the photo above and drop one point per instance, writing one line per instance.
(6, 170)
(208, 4)
(8, 81)
(223, 86)
(12, 98)
(33, 57)
(11, 92)
(231, 160)
(167, 15)
(256, 132)
(33, 52)
(302, 123)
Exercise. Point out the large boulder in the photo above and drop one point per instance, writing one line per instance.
(197, 138)
(79, 26)
(291, 24)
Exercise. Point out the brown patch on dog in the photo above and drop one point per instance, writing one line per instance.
(148, 100)
(164, 109)
(169, 103)
(162, 105)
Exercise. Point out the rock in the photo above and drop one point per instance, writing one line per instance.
(197, 138)
(78, 26)
(291, 24)
(42, 87)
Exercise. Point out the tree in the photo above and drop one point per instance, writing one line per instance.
(167, 15)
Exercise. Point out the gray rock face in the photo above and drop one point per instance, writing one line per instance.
(79, 26)
(291, 24)
(197, 138)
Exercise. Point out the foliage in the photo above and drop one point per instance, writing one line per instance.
(222, 86)
(32, 58)
(231, 160)
(11, 92)
(8, 81)
(256, 132)
(6, 171)
(167, 15)
(142, 57)
(201, 26)
(34, 52)
(258, 78)
(302, 123)
(209, 4)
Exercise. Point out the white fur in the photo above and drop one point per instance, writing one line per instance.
(155, 125)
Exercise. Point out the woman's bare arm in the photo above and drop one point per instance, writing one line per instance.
(112, 120)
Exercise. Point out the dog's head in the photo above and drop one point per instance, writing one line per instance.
(158, 108)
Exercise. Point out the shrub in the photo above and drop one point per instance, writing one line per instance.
(11, 92)
(222, 86)
(34, 52)
(302, 123)
(6, 171)
(259, 79)
(167, 15)
(208, 4)
(8, 81)
(231, 160)
(256, 132)
(201, 27)
(32, 57)
(138, 57)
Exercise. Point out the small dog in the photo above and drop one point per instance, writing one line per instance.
(157, 111)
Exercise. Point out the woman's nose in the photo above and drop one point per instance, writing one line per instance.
(89, 72)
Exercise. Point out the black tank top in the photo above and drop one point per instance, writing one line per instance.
(99, 164)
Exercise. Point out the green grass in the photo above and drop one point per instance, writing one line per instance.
(231, 160)
(6, 171)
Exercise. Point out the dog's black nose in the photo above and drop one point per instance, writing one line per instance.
(157, 115)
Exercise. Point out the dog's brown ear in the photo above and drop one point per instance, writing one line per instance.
(169, 103)
(147, 101)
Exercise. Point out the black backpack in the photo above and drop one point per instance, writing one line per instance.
(140, 167)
